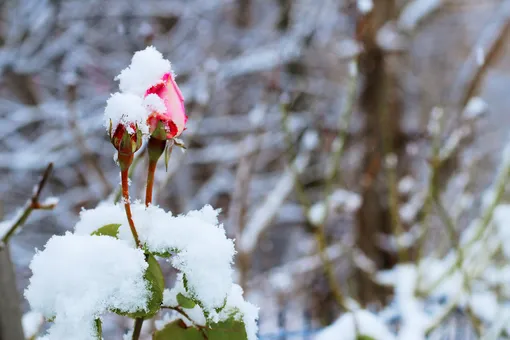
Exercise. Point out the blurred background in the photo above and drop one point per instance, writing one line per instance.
(339, 138)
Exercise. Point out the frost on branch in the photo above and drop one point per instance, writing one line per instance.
(78, 278)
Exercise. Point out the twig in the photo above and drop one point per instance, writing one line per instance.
(31, 205)
(183, 313)
(484, 221)
(472, 69)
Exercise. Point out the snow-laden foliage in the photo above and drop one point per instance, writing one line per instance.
(111, 268)
(78, 278)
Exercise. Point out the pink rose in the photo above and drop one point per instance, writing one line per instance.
(172, 114)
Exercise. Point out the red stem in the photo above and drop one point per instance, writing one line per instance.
(127, 205)
(150, 182)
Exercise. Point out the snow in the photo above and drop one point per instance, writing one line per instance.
(32, 322)
(414, 321)
(126, 109)
(199, 244)
(502, 222)
(146, 70)
(93, 219)
(317, 213)
(340, 199)
(95, 274)
(365, 6)
(475, 107)
(353, 69)
(202, 252)
(480, 56)
(347, 200)
(311, 140)
(484, 305)
(53, 201)
(406, 185)
(241, 310)
(351, 324)
(4, 227)
(235, 306)
(154, 103)
(195, 314)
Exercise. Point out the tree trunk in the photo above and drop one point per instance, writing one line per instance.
(383, 135)
(10, 310)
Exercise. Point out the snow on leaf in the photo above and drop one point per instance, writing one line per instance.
(198, 244)
(104, 214)
(108, 230)
(95, 274)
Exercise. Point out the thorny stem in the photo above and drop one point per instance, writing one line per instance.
(125, 161)
(127, 204)
(150, 182)
(31, 205)
(132, 168)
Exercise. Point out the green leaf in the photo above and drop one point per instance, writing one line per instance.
(156, 285)
(108, 230)
(364, 337)
(180, 143)
(177, 330)
(168, 153)
(185, 302)
(165, 254)
(99, 328)
(160, 131)
(154, 277)
(230, 329)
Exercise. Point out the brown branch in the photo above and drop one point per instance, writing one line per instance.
(31, 205)
(472, 69)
